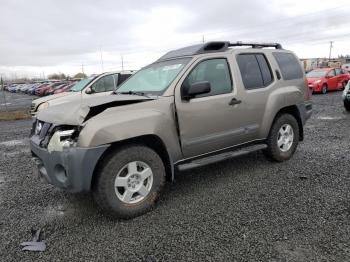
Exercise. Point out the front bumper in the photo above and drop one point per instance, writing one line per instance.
(315, 87)
(70, 169)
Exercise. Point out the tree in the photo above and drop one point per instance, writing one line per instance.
(59, 76)
(80, 75)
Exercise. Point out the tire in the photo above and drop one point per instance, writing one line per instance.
(274, 152)
(347, 105)
(119, 169)
(324, 89)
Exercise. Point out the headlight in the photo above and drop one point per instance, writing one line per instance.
(43, 106)
(317, 81)
(62, 139)
(38, 127)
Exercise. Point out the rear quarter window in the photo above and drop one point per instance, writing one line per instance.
(289, 66)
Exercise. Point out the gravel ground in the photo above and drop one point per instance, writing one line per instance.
(245, 209)
(15, 101)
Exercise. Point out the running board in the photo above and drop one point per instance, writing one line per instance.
(220, 157)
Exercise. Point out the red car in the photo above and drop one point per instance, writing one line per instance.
(326, 79)
(64, 89)
(42, 90)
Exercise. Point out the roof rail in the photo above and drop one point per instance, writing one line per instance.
(256, 44)
(215, 46)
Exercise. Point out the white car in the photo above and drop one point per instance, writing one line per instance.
(97, 85)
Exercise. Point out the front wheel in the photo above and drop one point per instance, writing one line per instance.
(324, 89)
(129, 182)
(283, 138)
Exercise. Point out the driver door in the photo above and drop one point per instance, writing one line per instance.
(211, 121)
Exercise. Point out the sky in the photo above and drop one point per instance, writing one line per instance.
(40, 37)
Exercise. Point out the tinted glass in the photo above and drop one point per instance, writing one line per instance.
(216, 72)
(250, 71)
(104, 84)
(289, 65)
(265, 69)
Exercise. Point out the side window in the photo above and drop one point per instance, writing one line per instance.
(216, 72)
(289, 65)
(338, 71)
(250, 71)
(331, 73)
(122, 78)
(104, 84)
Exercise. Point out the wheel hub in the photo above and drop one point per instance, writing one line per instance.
(285, 137)
(133, 182)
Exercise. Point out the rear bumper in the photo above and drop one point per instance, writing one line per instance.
(72, 169)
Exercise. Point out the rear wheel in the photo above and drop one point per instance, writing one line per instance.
(283, 138)
(324, 89)
(129, 182)
(343, 85)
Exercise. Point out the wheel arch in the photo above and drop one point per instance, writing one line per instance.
(152, 141)
(294, 111)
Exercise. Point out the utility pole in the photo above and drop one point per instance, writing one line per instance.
(82, 68)
(3, 93)
(330, 49)
(202, 38)
(122, 62)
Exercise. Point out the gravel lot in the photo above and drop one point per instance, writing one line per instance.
(15, 101)
(245, 209)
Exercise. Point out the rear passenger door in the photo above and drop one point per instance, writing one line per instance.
(332, 80)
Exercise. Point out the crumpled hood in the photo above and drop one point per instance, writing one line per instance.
(78, 111)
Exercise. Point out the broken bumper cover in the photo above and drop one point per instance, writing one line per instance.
(71, 169)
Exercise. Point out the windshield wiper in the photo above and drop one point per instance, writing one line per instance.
(137, 93)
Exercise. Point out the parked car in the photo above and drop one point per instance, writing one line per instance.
(64, 89)
(97, 85)
(325, 79)
(194, 106)
(42, 90)
(346, 96)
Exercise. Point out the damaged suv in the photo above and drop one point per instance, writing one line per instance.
(194, 106)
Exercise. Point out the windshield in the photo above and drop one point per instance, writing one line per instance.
(155, 78)
(81, 84)
(316, 74)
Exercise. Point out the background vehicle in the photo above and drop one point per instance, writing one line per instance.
(326, 79)
(346, 96)
(97, 85)
(192, 107)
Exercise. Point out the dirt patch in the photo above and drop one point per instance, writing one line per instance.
(14, 115)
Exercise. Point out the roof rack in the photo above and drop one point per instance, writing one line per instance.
(215, 46)
(256, 44)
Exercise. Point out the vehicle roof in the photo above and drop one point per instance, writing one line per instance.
(213, 47)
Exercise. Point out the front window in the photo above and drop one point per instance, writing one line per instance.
(316, 74)
(155, 78)
(82, 84)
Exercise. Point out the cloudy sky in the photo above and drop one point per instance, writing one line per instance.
(45, 36)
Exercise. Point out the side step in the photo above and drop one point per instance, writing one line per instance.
(220, 157)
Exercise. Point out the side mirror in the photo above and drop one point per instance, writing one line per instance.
(195, 89)
(89, 91)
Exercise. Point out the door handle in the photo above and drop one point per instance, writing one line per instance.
(234, 101)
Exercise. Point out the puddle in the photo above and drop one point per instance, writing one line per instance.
(21, 142)
(329, 118)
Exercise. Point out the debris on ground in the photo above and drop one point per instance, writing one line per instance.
(37, 244)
